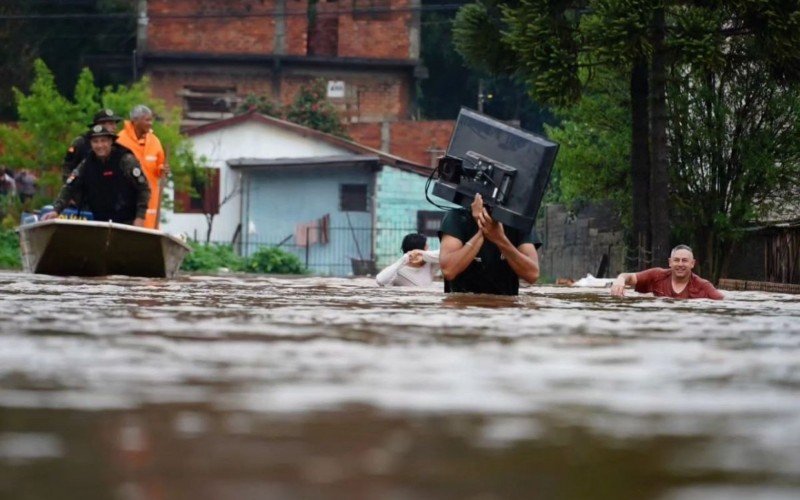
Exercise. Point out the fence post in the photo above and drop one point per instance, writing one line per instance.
(308, 243)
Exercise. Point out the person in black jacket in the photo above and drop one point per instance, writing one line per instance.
(80, 147)
(109, 183)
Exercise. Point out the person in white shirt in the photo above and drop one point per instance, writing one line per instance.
(417, 266)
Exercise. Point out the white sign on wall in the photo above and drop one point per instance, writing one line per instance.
(335, 89)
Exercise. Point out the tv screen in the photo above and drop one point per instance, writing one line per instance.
(526, 159)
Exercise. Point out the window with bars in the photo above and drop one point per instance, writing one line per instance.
(208, 101)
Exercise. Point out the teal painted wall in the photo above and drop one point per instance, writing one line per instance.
(401, 195)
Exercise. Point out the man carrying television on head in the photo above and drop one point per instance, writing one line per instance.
(480, 255)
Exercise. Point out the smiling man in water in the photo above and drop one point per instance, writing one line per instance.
(677, 282)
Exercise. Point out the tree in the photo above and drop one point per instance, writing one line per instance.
(451, 84)
(594, 136)
(67, 36)
(734, 150)
(312, 109)
(309, 108)
(48, 122)
(555, 45)
(17, 54)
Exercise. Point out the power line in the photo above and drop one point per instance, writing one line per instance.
(225, 15)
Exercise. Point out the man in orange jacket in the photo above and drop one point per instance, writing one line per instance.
(137, 135)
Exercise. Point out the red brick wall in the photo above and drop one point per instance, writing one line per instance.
(368, 98)
(296, 27)
(249, 27)
(412, 140)
(368, 134)
(241, 27)
(382, 36)
(166, 84)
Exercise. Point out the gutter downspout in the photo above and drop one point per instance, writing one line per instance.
(374, 208)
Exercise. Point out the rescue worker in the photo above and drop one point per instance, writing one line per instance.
(137, 135)
(80, 147)
(109, 182)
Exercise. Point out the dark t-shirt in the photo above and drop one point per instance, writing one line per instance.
(658, 281)
(489, 272)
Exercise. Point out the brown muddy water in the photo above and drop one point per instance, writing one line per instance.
(253, 387)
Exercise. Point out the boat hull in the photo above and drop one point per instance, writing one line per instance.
(88, 248)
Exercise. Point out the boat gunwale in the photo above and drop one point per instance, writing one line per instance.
(103, 225)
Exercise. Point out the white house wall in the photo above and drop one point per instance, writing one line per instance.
(250, 139)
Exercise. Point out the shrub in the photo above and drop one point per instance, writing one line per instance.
(212, 257)
(274, 260)
(9, 250)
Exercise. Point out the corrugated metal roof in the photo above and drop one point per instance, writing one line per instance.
(354, 147)
(268, 163)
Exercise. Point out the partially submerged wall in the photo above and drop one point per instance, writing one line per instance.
(574, 243)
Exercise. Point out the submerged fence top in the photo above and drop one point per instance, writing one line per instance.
(686, 396)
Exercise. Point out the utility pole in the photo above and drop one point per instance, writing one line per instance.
(480, 95)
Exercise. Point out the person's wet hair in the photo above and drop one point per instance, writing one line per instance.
(414, 241)
(681, 247)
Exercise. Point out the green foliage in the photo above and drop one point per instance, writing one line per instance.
(735, 152)
(543, 37)
(273, 260)
(439, 98)
(48, 122)
(594, 137)
(9, 250)
(310, 108)
(478, 38)
(732, 124)
(261, 104)
(62, 43)
(453, 85)
(212, 257)
(547, 42)
(11, 209)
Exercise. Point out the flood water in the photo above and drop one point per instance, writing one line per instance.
(233, 387)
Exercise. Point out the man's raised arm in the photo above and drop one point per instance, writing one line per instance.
(618, 287)
(455, 256)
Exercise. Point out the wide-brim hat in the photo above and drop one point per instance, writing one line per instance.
(100, 131)
(105, 115)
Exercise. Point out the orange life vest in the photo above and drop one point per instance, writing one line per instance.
(151, 156)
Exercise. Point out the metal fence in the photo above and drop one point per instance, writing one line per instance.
(340, 251)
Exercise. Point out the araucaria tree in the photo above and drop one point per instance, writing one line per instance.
(556, 46)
